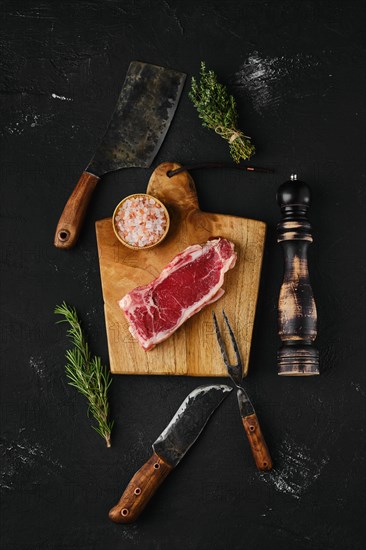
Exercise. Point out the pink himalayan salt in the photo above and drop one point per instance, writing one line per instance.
(141, 221)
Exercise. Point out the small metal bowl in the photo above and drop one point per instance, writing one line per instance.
(134, 196)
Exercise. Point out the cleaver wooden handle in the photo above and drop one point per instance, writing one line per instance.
(257, 443)
(72, 217)
(140, 489)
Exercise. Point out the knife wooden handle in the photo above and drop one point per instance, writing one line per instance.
(140, 489)
(72, 217)
(258, 445)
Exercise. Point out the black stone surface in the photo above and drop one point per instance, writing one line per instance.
(296, 69)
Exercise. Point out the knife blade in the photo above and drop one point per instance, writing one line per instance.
(169, 449)
(140, 121)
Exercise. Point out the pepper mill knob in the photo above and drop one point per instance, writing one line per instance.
(297, 316)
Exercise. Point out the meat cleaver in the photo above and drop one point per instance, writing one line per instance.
(168, 450)
(142, 116)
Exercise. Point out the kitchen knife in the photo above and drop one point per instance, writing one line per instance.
(168, 450)
(141, 119)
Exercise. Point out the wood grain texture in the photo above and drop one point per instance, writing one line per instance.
(140, 489)
(73, 214)
(192, 349)
(257, 442)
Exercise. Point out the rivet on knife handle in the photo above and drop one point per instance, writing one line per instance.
(72, 217)
(140, 489)
(257, 443)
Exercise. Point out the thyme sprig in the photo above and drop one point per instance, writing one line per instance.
(217, 109)
(86, 373)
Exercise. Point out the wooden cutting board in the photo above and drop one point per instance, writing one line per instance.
(192, 350)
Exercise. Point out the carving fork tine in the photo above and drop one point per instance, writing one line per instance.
(235, 371)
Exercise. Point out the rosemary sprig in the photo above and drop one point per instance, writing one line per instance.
(217, 108)
(86, 373)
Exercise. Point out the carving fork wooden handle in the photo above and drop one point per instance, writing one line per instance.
(257, 443)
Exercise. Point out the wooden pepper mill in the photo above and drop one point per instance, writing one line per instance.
(297, 317)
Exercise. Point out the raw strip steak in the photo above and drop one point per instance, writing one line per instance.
(191, 281)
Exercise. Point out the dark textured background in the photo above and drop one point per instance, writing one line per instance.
(296, 69)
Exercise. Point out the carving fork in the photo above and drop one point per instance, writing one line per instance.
(250, 421)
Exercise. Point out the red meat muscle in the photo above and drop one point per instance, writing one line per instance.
(191, 281)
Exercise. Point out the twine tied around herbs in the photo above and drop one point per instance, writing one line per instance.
(234, 136)
(229, 134)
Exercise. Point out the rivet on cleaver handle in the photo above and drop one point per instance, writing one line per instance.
(72, 217)
(140, 121)
(168, 450)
